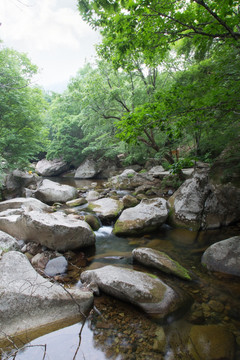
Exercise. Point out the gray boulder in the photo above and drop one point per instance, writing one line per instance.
(102, 168)
(187, 203)
(51, 192)
(87, 170)
(29, 220)
(146, 216)
(223, 256)
(201, 202)
(54, 167)
(130, 179)
(161, 261)
(56, 266)
(16, 183)
(144, 290)
(7, 242)
(29, 301)
(107, 209)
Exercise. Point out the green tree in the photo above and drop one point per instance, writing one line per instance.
(151, 27)
(21, 110)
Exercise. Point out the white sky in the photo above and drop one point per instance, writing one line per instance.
(53, 35)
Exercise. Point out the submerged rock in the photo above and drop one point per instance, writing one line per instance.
(144, 290)
(50, 192)
(223, 256)
(211, 342)
(161, 261)
(29, 220)
(29, 301)
(146, 216)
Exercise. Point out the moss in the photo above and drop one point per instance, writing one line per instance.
(152, 276)
(130, 175)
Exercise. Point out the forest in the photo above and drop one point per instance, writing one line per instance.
(166, 81)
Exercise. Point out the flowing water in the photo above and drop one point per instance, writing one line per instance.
(117, 330)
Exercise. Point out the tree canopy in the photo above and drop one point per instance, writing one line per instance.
(21, 110)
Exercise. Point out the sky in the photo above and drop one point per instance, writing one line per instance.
(53, 35)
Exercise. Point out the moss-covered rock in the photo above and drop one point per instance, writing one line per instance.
(145, 217)
(161, 261)
(149, 293)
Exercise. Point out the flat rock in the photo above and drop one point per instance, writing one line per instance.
(50, 192)
(161, 261)
(29, 220)
(223, 256)
(144, 290)
(29, 301)
(146, 216)
(107, 209)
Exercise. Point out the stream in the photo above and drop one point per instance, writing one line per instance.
(119, 331)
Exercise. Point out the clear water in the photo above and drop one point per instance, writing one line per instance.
(119, 331)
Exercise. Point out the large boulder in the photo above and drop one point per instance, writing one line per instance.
(87, 170)
(144, 290)
(101, 168)
(16, 182)
(54, 167)
(29, 301)
(130, 179)
(187, 203)
(202, 202)
(107, 209)
(146, 216)
(223, 256)
(31, 221)
(161, 261)
(51, 192)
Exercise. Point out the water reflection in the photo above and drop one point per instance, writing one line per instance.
(62, 345)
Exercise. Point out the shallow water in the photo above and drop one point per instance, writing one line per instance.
(119, 331)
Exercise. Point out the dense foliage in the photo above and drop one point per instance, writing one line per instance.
(22, 129)
(166, 85)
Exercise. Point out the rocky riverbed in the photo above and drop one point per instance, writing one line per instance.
(209, 299)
